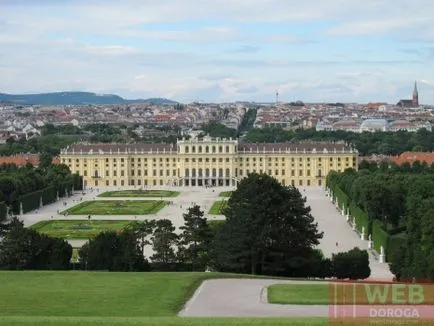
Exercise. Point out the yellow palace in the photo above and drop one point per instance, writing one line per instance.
(206, 161)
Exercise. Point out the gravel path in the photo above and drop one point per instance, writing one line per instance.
(242, 298)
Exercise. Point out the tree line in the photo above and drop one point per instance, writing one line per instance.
(399, 200)
(367, 143)
(17, 183)
(268, 230)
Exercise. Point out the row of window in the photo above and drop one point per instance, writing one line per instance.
(161, 183)
(208, 149)
(201, 173)
(247, 159)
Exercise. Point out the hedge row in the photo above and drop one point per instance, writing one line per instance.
(379, 236)
(32, 200)
(361, 218)
(342, 199)
(3, 211)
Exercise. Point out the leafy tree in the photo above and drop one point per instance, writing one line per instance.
(195, 239)
(353, 264)
(143, 231)
(45, 160)
(113, 252)
(164, 240)
(22, 248)
(267, 227)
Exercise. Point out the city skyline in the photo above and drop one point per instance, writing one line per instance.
(220, 51)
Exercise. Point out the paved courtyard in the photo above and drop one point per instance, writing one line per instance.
(330, 221)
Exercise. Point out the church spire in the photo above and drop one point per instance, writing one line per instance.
(415, 95)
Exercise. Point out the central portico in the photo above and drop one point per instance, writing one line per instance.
(208, 161)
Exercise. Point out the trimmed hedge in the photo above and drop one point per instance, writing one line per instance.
(342, 199)
(32, 200)
(379, 236)
(3, 211)
(361, 217)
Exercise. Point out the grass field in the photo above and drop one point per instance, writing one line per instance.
(298, 293)
(226, 194)
(118, 299)
(140, 193)
(117, 207)
(159, 321)
(217, 207)
(73, 229)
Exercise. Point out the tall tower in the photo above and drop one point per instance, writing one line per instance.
(277, 96)
(415, 96)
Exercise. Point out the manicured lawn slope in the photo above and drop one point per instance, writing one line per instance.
(140, 193)
(298, 293)
(95, 294)
(117, 207)
(111, 299)
(160, 321)
(73, 229)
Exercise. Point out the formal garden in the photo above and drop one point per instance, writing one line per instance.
(117, 207)
(218, 207)
(78, 229)
(140, 193)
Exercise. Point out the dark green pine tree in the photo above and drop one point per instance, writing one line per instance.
(164, 240)
(268, 228)
(195, 239)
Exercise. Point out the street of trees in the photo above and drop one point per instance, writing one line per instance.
(399, 205)
(17, 184)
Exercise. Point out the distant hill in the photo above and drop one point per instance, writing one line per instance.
(76, 98)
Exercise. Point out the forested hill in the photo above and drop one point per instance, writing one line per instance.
(76, 98)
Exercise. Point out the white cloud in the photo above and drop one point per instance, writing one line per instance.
(223, 49)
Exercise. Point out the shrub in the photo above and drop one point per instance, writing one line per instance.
(353, 264)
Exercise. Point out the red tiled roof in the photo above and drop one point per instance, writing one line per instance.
(411, 157)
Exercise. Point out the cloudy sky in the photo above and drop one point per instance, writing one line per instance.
(220, 50)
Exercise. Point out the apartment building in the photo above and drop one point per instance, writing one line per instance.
(206, 161)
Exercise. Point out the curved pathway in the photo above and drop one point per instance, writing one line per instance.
(244, 297)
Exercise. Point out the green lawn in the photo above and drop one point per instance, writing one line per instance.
(226, 194)
(159, 321)
(118, 299)
(117, 207)
(217, 207)
(298, 293)
(73, 229)
(140, 193)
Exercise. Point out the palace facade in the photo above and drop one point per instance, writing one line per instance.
(206, 161)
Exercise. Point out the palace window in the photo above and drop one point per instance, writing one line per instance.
(186, 149)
